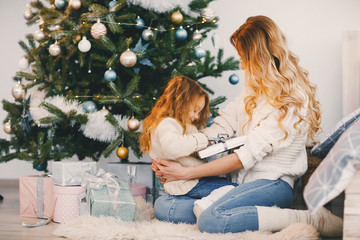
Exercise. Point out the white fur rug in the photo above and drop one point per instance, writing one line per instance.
(145, 227)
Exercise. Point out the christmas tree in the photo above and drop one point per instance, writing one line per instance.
(93, 70)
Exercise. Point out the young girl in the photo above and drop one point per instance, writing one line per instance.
(171, 132)
(278, 112)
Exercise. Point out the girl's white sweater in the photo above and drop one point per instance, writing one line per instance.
(168, 142)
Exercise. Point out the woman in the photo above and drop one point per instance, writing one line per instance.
(278, 113)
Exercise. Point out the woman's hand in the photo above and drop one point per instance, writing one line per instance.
(168, 171)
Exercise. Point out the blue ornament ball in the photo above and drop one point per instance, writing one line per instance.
(181, 34)
(234, 79)
(139, 23)
(89, 107)
(110, 75)
(199, 52)
(60, 3)
(41, 167)
(210, 122)
(112, 3)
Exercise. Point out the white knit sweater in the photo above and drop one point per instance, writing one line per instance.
(265, 155)
(168, 142)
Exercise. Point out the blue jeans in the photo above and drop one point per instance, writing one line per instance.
(234, 212)
(166, 208)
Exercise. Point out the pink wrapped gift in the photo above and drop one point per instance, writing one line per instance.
(67, 202)
(36, 196)
(138, 189)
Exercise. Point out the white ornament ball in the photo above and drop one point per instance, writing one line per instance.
(39, 35)
(146, 34)
(75, 4)
(7, 127)
(128, 58)
(133, 124)
(97, 30)
(54, 49)
(84, 45)
(28, 14)
(18, 91)
(23, 64)
(207, 14)
(196, 35)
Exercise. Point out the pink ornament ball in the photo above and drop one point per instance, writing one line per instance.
(97, 30)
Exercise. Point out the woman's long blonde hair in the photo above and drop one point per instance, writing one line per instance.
(274, 72)
(175, 102)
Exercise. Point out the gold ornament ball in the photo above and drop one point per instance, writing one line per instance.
(7, 127)
(177, 17)
(122, 152)
(133, 124)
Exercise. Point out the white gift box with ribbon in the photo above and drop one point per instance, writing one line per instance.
(69, 172)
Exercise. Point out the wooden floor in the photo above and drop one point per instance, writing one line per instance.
(10, 222)
(12, 229)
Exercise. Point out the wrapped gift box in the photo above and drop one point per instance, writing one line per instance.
(36, 196)
(138, 190)
(69, 173)
(67, 202)
(118, 203)
(222, 146)
(139, 172)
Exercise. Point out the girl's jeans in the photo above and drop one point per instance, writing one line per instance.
(234, 212)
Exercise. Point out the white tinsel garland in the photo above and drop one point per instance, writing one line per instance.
(161, 6)
(37, 112)
(99, 128)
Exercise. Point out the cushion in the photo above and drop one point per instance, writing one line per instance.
(334, 172)
(321, 149)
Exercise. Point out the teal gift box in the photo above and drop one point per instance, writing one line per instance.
(116, 202)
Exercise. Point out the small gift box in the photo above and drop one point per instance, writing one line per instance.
(108, 196)
(36, 196)
(67, 202)
(139, 172)
(138, 190)
(69, 173)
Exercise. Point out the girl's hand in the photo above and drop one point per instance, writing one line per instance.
(168, 171)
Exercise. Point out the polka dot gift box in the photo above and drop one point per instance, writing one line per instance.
(67, 202)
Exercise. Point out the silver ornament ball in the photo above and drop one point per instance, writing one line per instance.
(146, 34)
(18, 91)
(7, 127)
(128, 58)
(54, 49)
(39, 35)
(133, 124)
(196, 35)
(207, 14)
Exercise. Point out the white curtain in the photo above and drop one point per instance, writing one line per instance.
(351, 71)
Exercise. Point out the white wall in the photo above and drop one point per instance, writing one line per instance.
(314, 29)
